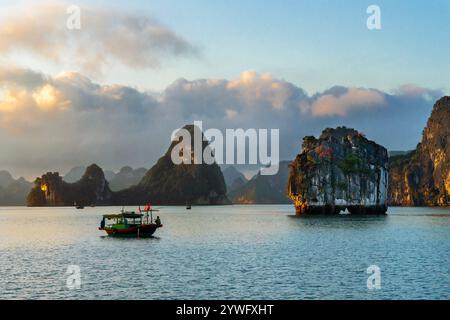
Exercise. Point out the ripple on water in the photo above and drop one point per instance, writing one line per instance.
(236, 252)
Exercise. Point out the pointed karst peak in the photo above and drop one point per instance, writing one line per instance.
(191, 128)
(193, 131)
(438, 123)
(5, 178)
(5, 174)
(93, 172)
(169, 183)
(184, 139)
(126, 169)
(443, 103)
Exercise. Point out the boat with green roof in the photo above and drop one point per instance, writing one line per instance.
(131, 224)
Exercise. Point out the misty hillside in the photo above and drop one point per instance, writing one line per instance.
(13, 192)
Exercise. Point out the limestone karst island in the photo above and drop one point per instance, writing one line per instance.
(341, 170)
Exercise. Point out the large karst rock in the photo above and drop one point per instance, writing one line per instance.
(340, 170)
(51, 190)
(422, 177)
(169, 184)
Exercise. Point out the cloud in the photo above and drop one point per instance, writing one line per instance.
(48, 98)
(253, 88)
(352, 99)
(57, 122)
(412, 90)
(106, 37)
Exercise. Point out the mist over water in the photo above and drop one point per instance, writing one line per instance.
(230, 252)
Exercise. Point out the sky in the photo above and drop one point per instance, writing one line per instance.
(138, 69)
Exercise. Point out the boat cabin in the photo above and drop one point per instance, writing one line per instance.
(130, 223)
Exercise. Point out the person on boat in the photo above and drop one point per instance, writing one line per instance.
(158, 221)
(102, 224)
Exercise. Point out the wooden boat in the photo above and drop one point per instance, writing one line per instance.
(130, 224)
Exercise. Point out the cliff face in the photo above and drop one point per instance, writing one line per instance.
(422, 177)
(340, 170)
(51, 190)
(169, 184)
(264, 189)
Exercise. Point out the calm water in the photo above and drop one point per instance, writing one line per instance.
(239, 252)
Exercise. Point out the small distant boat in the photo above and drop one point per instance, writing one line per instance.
(78, 206)
(131, 224)
(188, 206)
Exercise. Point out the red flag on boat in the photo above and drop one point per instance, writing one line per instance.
(148, 207)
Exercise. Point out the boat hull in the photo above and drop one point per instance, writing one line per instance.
(133, 231)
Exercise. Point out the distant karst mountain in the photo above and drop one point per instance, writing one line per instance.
(126, 178)
(164, 184)
(234, 179)
(340, 170)
(422, 177)
(13, 192)
(74, 174)
(91, 189)
(5, 179)
(263, 189)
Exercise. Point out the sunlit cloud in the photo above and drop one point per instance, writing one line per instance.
(353, 99)
(48, 98)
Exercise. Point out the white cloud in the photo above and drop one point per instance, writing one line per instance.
(106, 37)
(253, 88)
(352, 100)
(413, 90)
